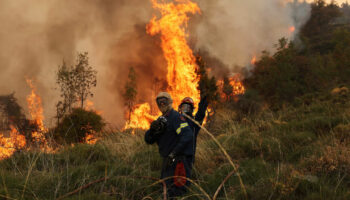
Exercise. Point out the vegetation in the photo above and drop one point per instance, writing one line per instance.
(75, 83)
(130, 91)
(298, 152)
(77, 125)
(12, 115)
(288, 135)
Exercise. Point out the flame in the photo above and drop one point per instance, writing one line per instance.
(291, 29)
(141, 117)
(91, 107)
(36, 112)
(181, 63)
(8, 145)
(236, 83)
(238, 87)
(90, 139)
(253, 60)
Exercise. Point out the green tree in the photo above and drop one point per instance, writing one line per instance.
(75, 83)
(85, 77)
(316, 32)
(130, 91)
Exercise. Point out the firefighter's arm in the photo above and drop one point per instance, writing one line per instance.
(153, 134)
(186, 136)
(202, 107)
(150, 137)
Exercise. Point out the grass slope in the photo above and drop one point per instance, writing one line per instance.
(299, 152)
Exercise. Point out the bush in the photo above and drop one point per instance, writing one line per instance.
(77, 125)
(249, 103)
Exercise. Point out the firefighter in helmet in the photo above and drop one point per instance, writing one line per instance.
(187, 106)
(175, 141)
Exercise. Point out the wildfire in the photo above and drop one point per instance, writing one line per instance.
(90, 139)
(253, 60)
(8, 145)
(36, 112)
(236, 83)
(238, 87)
(140, 118)
(181, 63)
(91, 107)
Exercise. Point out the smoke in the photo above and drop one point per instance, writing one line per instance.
(235, 31)
(37, 35)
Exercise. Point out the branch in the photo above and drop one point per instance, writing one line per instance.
(222, 184)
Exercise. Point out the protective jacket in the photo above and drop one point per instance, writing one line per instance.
(177, 137)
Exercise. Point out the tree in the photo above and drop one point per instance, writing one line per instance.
(227, 88)
(85, 77)
(130, 91)
(13, 115)
(65, 81)
(75, 83)
(207, 86)
(316, 33)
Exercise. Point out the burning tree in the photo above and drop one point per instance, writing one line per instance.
(206, 85)
(11, 112)
(227, 88)
(75, 83)
(130, 91)
(79, 126)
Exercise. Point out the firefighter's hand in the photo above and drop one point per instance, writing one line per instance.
(170, 159)
(155, 126)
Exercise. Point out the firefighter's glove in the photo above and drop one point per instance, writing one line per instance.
(158, 126)
(155, 126)
(171, 159)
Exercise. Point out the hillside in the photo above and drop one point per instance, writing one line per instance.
(298, 152)
(286, 137)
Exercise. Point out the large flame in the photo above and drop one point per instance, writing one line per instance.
(141, 117)
(36, 112)
(182, 78)
(181, 63)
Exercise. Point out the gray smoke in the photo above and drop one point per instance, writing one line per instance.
(37, 35)
(235, 31)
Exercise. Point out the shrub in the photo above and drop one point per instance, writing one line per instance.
(249, 103)
(77, 125)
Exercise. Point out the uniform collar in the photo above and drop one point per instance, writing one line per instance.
(168, 113)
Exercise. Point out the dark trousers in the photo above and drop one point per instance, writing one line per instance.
(168, 171)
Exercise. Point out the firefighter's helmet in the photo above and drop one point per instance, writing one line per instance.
(188, 100)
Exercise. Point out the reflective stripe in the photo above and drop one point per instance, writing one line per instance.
(183, 125)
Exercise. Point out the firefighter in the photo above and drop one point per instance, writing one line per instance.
(175, 141)
(187, 106)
